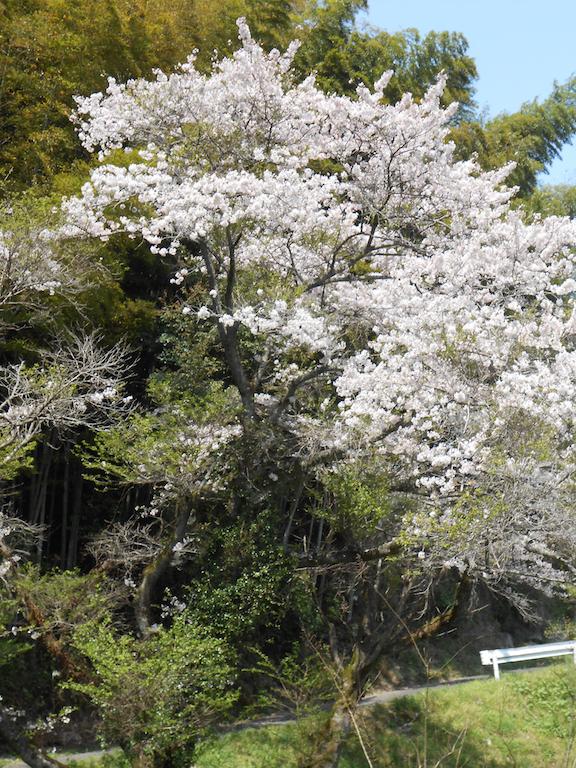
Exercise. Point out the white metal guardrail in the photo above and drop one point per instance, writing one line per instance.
(526, 653)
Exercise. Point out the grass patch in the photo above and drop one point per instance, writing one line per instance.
(112, 759)
(526, 720)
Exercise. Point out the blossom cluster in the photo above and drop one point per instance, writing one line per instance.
(441, 320)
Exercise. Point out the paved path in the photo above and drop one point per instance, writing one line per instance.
(376, 697)
(381, 697)
(68, 757)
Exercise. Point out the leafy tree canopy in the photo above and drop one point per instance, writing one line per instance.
(532, 137)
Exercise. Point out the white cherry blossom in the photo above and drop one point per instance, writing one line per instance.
(432, 323)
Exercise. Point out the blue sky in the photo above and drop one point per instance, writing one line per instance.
(520, 48)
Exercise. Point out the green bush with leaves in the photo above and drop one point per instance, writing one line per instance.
(59, 601)
(158, 696)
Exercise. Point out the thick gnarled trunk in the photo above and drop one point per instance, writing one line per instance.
(332, 737)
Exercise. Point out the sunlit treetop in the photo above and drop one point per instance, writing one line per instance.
(395, 304)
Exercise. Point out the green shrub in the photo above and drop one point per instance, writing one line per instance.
(157, 696)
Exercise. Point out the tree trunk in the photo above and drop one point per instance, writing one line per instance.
(332, 738)
(38, 510)
(13, 733)
(154, 572)
(75, 522)
(64, 508)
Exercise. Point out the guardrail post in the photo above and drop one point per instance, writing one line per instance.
(574, 653)
(496, 668)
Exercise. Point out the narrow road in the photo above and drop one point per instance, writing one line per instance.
(68, 757)
(381, 697)
(376, 697)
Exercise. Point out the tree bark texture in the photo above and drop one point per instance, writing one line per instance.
(154, 572)
(332, 737)
(14, 734)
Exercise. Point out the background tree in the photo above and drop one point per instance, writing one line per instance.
(532, 137)
(51, 51)
(343, 56)
(553, 200)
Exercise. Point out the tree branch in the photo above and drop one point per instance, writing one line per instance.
(344, 557)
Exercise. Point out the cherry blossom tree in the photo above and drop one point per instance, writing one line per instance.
(377, 304)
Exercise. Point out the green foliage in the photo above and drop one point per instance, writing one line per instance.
(272, 747)
(14, 459)
(343, 56)
(556, 200)
(105, 283)
(157, 696)
(10, 648)
(552, 702)
(357, 500)
(189, 356)
(65, 600)
(154, 446)
(300, 683)
(114, 760)
(248, 607)
(531, 137)
(244, 591)
(270, 21)
(51, 50)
